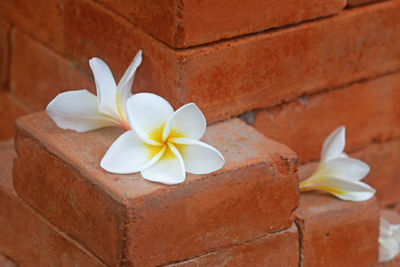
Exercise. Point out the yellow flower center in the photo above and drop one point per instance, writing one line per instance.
(156, 135)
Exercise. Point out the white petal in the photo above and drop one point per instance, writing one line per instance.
(78, 110)
(388, 249)
(199, 157)
(148, 114)
(345, 168)
(187, 121)
(125, 84)
(106, 87)
(343, 189)
(334, 144)
(129, 154)
(170, 169)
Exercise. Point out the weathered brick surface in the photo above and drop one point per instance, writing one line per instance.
(253, 194)
(188, 23)
(275, 250)
(4, 52)
(256, 71)
(336, 232)
(10, 109)
(369, 110)
(361, 2)
(42, 19)
(384, 161)
(28, 238)
(38, 74)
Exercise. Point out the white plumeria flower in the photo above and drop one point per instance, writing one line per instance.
(163, 145)
(82, 111)
(337, 173)
(389, 240)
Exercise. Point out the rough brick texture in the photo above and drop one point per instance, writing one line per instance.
(275, 250)
(39, 74)
(42, 19)
(256, 71)
(4, 52)
(369, 110)
(28, 238)
(188, 23)
(336, 232)
(10, 109)
(254, 194)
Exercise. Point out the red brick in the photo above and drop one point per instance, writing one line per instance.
(253, 194)
(188, 23)
(10, 109)
(336, 232)
(369, 110)
(241, 74)
(42, 19)
(277, 249)
(38, 74)
(4, 52)
(361, 2)
(384, 161)
(27, 237)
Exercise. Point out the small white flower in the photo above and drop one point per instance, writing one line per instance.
(389, 240)
(162, 144)
(337, 173)
(82, 111)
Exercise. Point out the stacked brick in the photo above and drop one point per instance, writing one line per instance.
(295, 69)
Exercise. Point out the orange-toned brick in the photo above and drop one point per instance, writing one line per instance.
(361, 2)
(369, 110)
(261, 70)
(38, 74)
(27, 237)
(188, 23)
(4, 52)
(384, 161)
(42, 19)
(336, 232)
(119, 217)
(275, 250)
(10, 109)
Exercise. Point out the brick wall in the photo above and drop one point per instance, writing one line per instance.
(294, 69)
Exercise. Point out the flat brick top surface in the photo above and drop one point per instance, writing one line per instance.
(240, 144)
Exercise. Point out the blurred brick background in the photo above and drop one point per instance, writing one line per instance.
(294, 69)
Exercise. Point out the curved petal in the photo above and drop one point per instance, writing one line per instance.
(334, 144)
(188, 121)
(343, 189)
(106, 87)
(345, 168)
(388, 249)
(78, 110)
(129, 154)
(170, 169)
(199, 157)
(148, 114)
(125, 84)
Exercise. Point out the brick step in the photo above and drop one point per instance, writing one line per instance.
(368, 109)
(144, 223)
(25, 236)
(258, 71)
